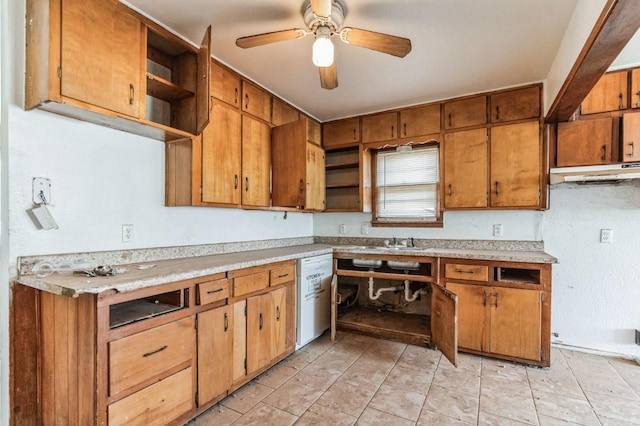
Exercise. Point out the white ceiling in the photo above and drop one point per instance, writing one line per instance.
(459, 47)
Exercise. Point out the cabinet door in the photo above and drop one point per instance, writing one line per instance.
(609, 94)
(516, 165)
(260, 332)
(420, 121)
(279, 321)
(239, 341)
(315, 178)
(101, 57)
(314, 131)
(225, 85)
(256, 162)
(221, 150)
(203, 83)
(256, 101)
(635, 88)
(281, 113)
(631, 137)
(341, 133)
(380, 127)
(465, 169)
(444, 322)
(473, 315)
(584, 142)
(465, 113)
(515, 105)
(516, 322)
(215, 352)
(288, 145)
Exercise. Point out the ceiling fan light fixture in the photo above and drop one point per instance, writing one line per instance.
(322, 51)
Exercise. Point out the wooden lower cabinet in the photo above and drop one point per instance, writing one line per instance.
(155, 356)
(506, 314)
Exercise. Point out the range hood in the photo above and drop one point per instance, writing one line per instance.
(603, 173)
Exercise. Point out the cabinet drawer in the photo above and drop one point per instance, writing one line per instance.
(157, 404)
(248, 283)
(212, 291)
(282, 275)
(148, 354)
(467, 272)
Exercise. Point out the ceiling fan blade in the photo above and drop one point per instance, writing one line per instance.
(396, 46)
(268, 38)
(321, 8)
(329, 76)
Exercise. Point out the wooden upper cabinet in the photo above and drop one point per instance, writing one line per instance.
(585, 142)
(256, 162)
(635, 89)
(282, 113)
(341, 133)
(225, 84)
(314, 131)
(465, 112)
(256, 101)
(514, 105)
(221, 156)
(298, 175)
(609, 94)
(516, 165)
(465, 169)
(631, 137)
(101, 56)
(420, 121)
(380, 127)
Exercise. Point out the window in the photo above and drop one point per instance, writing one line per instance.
(406, 187)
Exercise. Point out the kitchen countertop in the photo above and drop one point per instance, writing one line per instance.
(140, 275)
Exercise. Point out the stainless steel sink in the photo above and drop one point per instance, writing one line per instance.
(403, 266)
(367, 263)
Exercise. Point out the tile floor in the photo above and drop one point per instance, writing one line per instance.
(366, 381)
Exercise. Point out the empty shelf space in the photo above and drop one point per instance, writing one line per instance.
(346, 165)
(518, 275)
(165, 90)
(135, 310)
(407, 328)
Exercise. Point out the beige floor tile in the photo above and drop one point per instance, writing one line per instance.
(550, 421)
(420, 359)
(263, 414)
(608, 421)
(357, 339)
(388, 347)
(246, 397)
(614, 407)
(300, 359)
(373, 417)
(452, 404)
(318, 415)
(512, 385)
(459, 381)
(404, 378)
(336, 360)
(629, 371)
(565, 408)
(293, 397)
(486, 419)
(606, 382)
(316, 377)
(276, 375)
(347, 397)
(428, 418)
(398, 401)
(503, 369)
(467, 363)
(512, 406)
(380, 359)
(550, 380)
(217, 415)
(364, 373)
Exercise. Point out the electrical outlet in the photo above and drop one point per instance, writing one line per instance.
(364, 229)
(497, 230)
(606, 235)
(343, 228)
(127, 233)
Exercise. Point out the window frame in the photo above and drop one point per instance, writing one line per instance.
(416, 222)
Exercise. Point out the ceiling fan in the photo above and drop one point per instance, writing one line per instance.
(324, 19)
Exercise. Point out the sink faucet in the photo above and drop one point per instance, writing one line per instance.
(395, 242)
(413, 242)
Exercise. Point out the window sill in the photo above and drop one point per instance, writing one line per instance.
(385, 224)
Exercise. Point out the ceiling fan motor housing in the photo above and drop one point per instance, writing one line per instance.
(333, 22)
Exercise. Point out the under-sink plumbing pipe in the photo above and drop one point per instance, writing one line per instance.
(379, 291)
(407, 292)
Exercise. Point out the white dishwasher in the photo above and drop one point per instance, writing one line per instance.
(313, 294)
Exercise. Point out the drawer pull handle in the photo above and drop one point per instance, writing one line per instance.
(449, 192)
(283, 275)
(246, 101)
(496, 295)
(246, 184)
(226, 321)
(632, 149)
(497, 189)
(604, 153)
(497, 113)
(148, 354)
(484, 299)
(449, 120)
(261, 321)
(405, 128)
(210, 103)
(215, 291)
(392, 129)
(132, 94)
(235, 182)
(277, 313)
(235, 100)
(621, 106)
(638, 94)
(464, 271)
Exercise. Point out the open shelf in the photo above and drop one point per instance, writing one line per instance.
(346, 165)
(407, 328)
(136, 310)
(165, 90)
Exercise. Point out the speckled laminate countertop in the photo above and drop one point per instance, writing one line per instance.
(166, 271)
